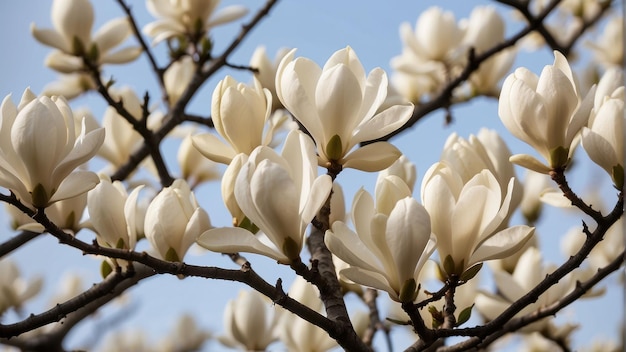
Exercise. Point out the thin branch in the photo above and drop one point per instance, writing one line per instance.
(16, 242)
(176, 115)
(146, 49)
(474, 62)
(369, 297)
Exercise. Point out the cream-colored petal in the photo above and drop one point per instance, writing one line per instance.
(227, 14)
(75, 184)
(502, 244)
(529, 162)
(111, 34)
(50, 38)
(383, 123)
(236, 239)
(121, 56)
(372, 157)
(370, 279)
(214, 149)
(61, 62)
(345, 244)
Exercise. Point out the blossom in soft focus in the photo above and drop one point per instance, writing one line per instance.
(40, 150)
(72, 21)
(535, 184)
(66, 214)
(194, 167)
(15, 290)
(177, 77)
(467, 218)
(121, 139)
(186, 336)
(189, 18)
(603, 140)
(113, 214)
(402, 168)
(239, 113)
(250, 322)
(483, 30)
(280, 195)
(70, 85)
(529, 272)
(266, 71)
(391, 244)
(337, 105)
(298, 334)
(174, 220)
(436, 35)
(609, 45)
(547, 112)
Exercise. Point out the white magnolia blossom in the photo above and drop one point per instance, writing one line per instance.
(177, 77)
(337, 104)
(194, 167)
(487, 150)
(240, 113)
(266, 73)
(547, 112)
(186, 336)
(535, 186)
(70, 85)
(113, 214)
(280, 195)
(66, 214)
(191, 18)
(484, 30)
(392, 240)
(298, 334)
(529, 272)
(39, 150)
(467, 218)
(15, 290)
(250, 322)
(603, 140)
(609, 45)
(72, 21)
(436, 36)
(174, 221)
(402, 168)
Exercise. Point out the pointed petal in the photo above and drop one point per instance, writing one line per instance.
(121, 56)
(502, 244)
(213, 148)
(384, 123)
(227, 14)
(529, 162)
(236, 239)
(345, 244)
(370, 279)
(50, 38)
(372, 157)
(75, 184)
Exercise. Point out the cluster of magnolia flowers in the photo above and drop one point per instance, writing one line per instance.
(467, 197)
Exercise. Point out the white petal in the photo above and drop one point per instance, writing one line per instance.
(383, 123)
(372, 157)
(370, 279)
(76, 183)
(502, 244)
(236, 239)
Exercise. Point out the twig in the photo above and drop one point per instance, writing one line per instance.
(16, 242)
(369, 297)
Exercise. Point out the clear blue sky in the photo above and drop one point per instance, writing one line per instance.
(317, 29)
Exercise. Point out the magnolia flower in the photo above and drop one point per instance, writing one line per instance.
(609, 46)
(485, 29)
(195, 168)
(266, 71)
(487, 150)
(190, 18)
(70, 85)
(113, 214)
(186, 336)
(122, 139)
(465, 218)
(547, 112)
(14, 290)
(391, 244)
(336, 104)
(66, 214)
(249, 322)
(39, 150)
(239, 113)
(603, 140)
(280, 195)
(174, 220)
(436, 35)
(72, 21)
(402, 168)
(298, 334)
(177, 77)
(529, 272)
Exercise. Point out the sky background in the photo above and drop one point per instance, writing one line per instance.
(317, 29)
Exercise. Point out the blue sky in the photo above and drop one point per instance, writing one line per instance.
(317, 29)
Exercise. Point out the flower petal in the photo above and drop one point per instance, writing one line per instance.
(372, 157)
(236, 239)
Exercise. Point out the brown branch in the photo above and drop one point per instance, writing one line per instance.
(176, 115)
(369, 297)
(16, 242)
(558, 176)
(474, 61)
(146, 49)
